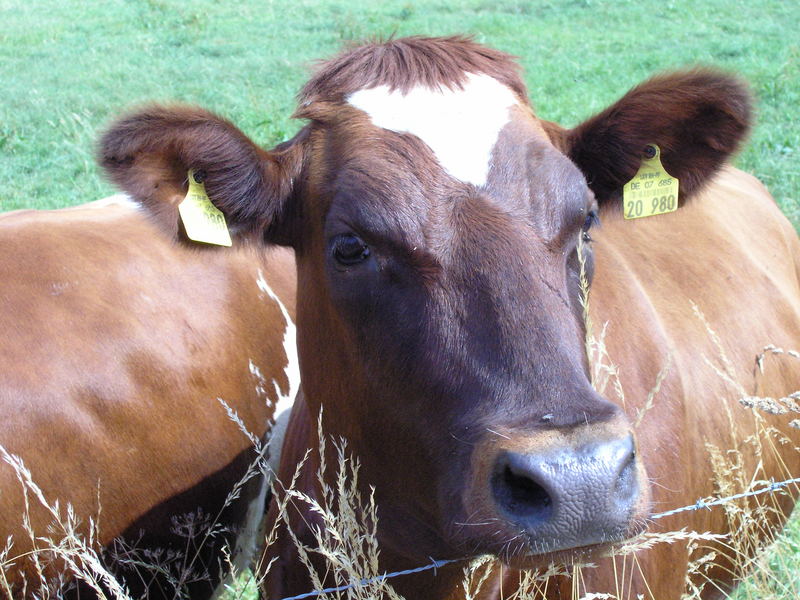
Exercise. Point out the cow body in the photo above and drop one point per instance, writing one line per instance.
(649, 276)
(732, 255)
(443, 237)
(118, 344)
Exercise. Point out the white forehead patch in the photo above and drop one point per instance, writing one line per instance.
(460, 126)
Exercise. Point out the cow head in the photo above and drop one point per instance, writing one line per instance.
(437, 224)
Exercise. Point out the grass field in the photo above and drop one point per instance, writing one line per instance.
(68, 67)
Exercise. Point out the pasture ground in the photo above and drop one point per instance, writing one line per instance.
(67, 67)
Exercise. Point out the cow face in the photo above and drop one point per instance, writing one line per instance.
(440, 231)
(451, 312)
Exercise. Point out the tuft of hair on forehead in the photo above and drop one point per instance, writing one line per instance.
(402, 64)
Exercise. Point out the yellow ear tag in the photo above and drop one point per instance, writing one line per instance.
(203, 221)
(652, 191)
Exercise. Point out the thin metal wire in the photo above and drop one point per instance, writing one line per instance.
(365, 582)
(772, 487)
(435, 564)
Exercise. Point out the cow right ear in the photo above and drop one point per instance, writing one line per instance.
(698, 118)
(149, 153)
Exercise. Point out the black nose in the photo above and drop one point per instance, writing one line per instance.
(569, 497)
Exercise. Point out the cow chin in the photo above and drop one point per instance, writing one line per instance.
(566, 558)
(519, 550)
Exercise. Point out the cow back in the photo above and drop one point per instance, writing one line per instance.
(122, 353)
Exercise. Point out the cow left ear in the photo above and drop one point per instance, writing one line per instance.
(698, 118)
(149, 153)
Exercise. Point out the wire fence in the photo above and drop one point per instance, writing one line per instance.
(436, 564)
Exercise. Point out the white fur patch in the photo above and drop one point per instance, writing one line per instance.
(115, 200)
(460, 126)
(292, 370)
(251, 534)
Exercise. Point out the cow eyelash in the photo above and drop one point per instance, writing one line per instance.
(349, 250)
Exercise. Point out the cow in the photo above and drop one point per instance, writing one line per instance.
(131, 363)
(444, 238)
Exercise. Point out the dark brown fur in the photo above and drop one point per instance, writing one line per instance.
(698, 118)
(149, 153)
(403, 63)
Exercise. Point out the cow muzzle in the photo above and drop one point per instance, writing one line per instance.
(569, 498)
(572, 495)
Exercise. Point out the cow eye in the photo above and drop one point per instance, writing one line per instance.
(349, 249)
(591, 219)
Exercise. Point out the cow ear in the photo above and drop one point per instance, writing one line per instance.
(698, 118)
(149, 153)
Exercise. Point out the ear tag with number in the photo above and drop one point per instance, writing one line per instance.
(652, 191)
(203, 221)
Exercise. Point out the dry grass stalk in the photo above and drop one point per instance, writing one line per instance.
(64, 548)
(534, 584)
(773, 406)
(63, 554)
(603, 370)
(347, 540)
(651, 396)
(772, 349)
(476, 574)
(748, 518)
(647, 540)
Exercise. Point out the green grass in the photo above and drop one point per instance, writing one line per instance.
(784, 562)
(68, 67)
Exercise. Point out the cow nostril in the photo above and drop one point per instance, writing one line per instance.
(520, 495)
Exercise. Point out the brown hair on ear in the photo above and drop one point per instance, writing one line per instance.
(698, 118)
(149, 152)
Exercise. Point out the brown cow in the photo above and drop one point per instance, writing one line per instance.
(117, 345)
(436, 223)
